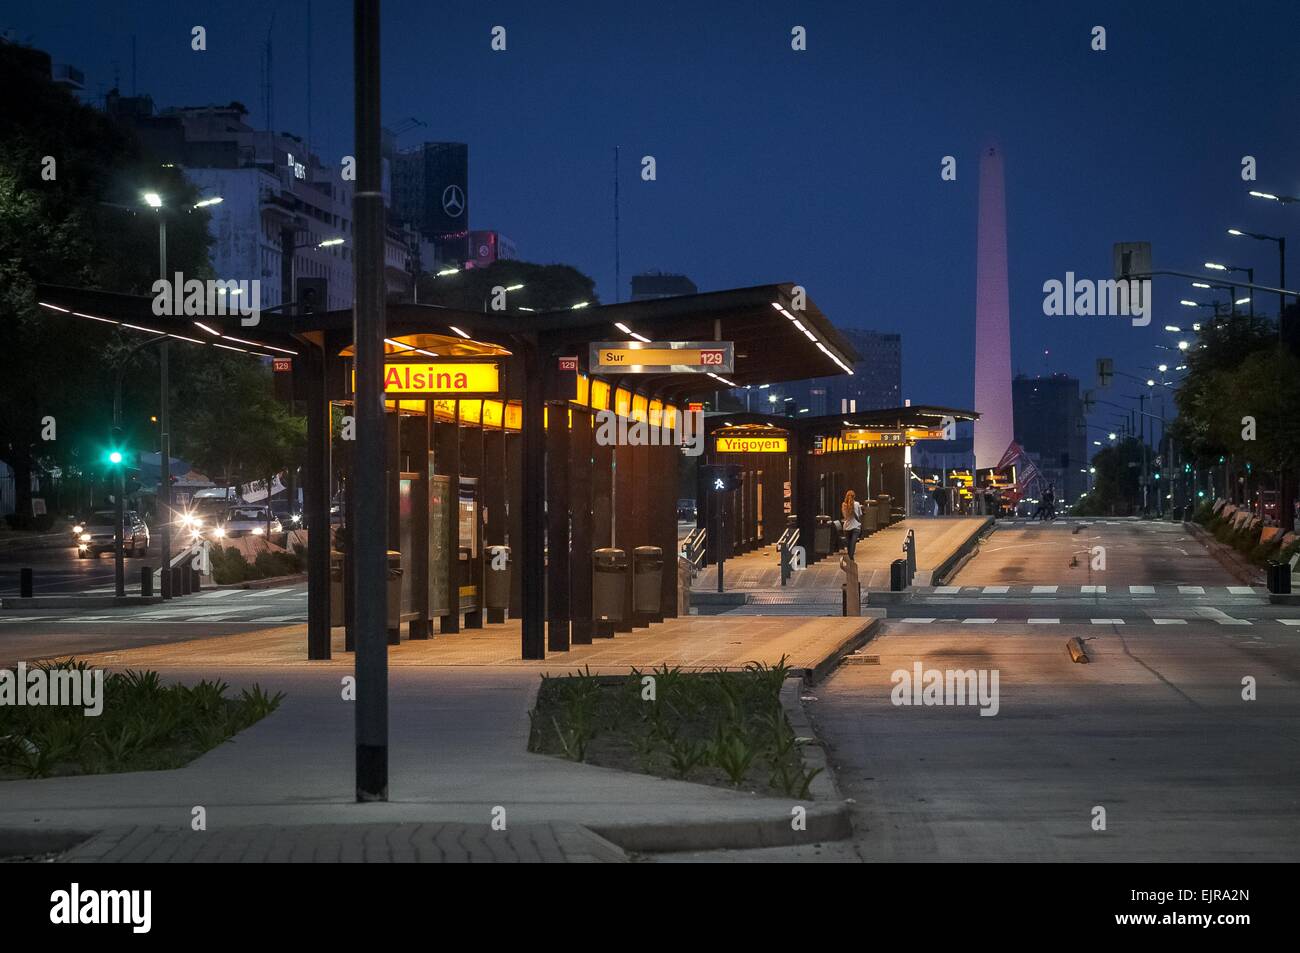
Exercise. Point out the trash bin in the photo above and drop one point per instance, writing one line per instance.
(496, 583)
(336, 588)
(886, 515)
(1279, 577)
(898, 575)
(394, 590)
(822, 535)
(871, 517)
(609, 572)
(647, 579)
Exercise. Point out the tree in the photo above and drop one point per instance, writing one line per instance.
(545, 287)
(232, 426)
(1116, 488)
(58, 230)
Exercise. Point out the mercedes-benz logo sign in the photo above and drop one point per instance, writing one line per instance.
(453, 200)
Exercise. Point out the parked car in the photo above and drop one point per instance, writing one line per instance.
(98, 532)
(247, 520)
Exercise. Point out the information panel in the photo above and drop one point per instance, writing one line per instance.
(661, 357)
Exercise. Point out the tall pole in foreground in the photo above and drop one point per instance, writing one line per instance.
(164, 438)
(369, 525)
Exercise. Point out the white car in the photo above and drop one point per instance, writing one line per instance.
(247, 521)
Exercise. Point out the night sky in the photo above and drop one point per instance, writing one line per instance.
(820, 167)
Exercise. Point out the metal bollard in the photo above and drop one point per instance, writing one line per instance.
(196, 581)
(146, 581)
(175, 575)
(25, 583)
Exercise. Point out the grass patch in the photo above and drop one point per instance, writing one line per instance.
(721, 728)
(144, 726)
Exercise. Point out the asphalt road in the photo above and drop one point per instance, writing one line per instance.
(57, 569)
(1154, 730)
(1135, 551)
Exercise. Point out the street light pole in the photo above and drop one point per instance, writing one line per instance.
(369, 542)
(164, 437)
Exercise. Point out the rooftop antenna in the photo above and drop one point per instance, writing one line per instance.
(267, 101)
(618, 280)
(309, 77)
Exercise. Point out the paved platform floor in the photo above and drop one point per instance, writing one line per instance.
(691, 642)
(937, 538)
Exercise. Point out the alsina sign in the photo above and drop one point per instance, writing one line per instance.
(440, 379)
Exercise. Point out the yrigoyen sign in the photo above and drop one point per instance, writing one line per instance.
(754, 444)
(661, 357)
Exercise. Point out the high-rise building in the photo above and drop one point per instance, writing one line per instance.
(275, 196)
(1050, 427)
(430, 186)
(994, 429)
(876, 382)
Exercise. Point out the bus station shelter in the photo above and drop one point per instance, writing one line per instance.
(503, 481)
(793, 472)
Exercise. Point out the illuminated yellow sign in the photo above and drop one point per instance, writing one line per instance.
(752, 444)
(886, 437)
(444, 378)
(661, 357)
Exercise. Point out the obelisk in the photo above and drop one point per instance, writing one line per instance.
(994, 430)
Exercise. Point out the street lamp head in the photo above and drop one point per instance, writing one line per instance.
(215, 200)
(1162, 368)
(1188, 304)
(1150, 382)
(1265, 195)
(1215, 266)
(1236, 231)
(1245, 300)
(1174, 328)
(513, 287)
(152, 199)
(330, 243)
(1183, 345)
(1111, 436)
(1199, 284)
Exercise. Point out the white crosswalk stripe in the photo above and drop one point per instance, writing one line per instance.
(915, 621)
(978, 621)
(1092, 589)
(1043, 589)
(1143, 590)
(1241, 590)
(1107, 621)
(1044, 621)
(1192, 590)
(1169, 621)
(995, 590)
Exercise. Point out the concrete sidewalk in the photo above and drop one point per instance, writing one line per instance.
(350, 843)
(458, 735)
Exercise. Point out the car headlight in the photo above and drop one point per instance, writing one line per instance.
(77, 529)
(85, 537)
(218, 532)
(258, 531)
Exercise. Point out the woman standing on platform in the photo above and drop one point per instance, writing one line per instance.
(851, 510)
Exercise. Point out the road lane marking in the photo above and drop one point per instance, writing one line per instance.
(947, 590)
(1169, 621)
(1043, 589)
(1232, 621)
(1142, 589)
(1107, 621)
(1044, 621)
(994, 590)
(216, 593)
(1192, 590)
(1092, 589)
(915, 621)
(978, 621)
(1289, 621)
(1242, 590)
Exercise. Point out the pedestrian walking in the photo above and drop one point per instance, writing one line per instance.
(851, 510)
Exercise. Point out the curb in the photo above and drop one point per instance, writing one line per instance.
(940, 573)
(77, 602)
(20, 842)
(270, 582)
(1243, 571)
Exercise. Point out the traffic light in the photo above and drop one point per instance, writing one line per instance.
(311, 295)
(114, 455)
(722, 477)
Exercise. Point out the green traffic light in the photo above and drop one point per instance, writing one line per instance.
(115, 456)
